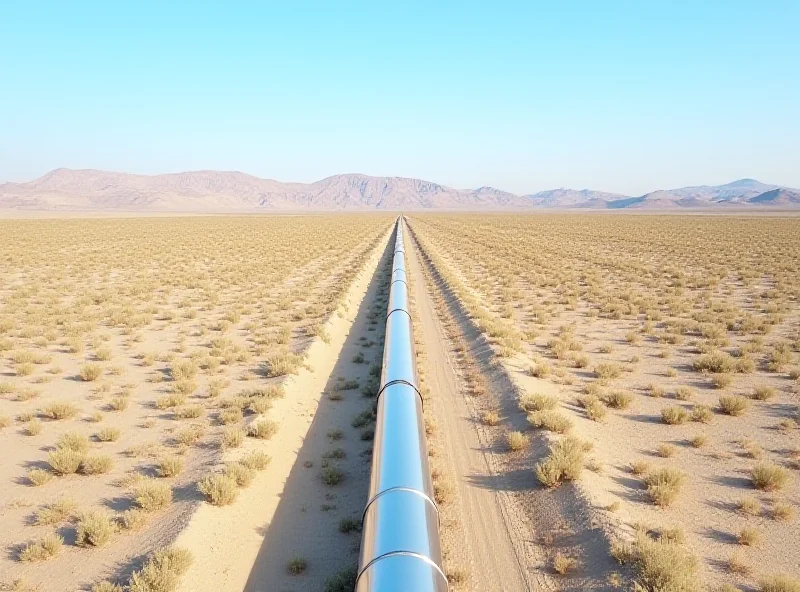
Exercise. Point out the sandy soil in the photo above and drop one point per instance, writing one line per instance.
(147, 432)
(288, 512)
(529, 524)
(487, 547)
(582, 519)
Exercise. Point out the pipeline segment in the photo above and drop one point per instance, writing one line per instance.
(400, 544)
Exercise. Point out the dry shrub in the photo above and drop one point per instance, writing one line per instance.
(232, 437)
(134, 519)
(297, 566)
(665, 450)
(698, 441)
(189, 412)
(162, 572)
(595, 410)
(516, 441)
(749, 506)
(639, 467)
(96, 464)
(662, 565)
(240, 473)
(664, 485)
(538, 402)
(702, 414)
(779, 584)
(608, 371)
(768, 476)
(169, 466)
(152, 496)
(183, 370)
(563, 564)
(106, 586)
(45, 548)
(283, 363)
(108, 434)
(721, 381)
(60, 410)
(262, 429)
(190, 435)
(73, 441)
(617, 399)
(717, 362)
(550, 420)
(749, 536)
(763, 393)
(684, 393)
(55, 513)
(332, 475)
(782, 511)
(344, 580)
(230, 415)
(255, 460)
(220, 490)
(65, 461)
(490, 418)
(564, 462)
(90, 372)
(39, 477)
(171, 400)
(674, 415)
(94, 529)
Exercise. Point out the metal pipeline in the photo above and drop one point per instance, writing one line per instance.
(400, 544)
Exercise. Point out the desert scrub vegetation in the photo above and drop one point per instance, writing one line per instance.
(768, 476)
(42, 549)
(219, 490)
(673, 297)
(661, 562)
(565, 462)
(162, 572)
(664, 485)
(94, 529)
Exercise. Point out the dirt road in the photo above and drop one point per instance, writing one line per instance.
(495, 563)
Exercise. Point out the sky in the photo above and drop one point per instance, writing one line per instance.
(523, 96)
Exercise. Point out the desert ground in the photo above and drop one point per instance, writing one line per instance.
(635, 384)
(611, 401)
(155, 368)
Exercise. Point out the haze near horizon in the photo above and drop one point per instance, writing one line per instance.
(623, 98)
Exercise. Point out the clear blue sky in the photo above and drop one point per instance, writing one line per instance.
(620, 96)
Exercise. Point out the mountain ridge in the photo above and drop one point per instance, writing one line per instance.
(209, 190)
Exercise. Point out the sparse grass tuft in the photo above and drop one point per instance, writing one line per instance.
(262, 429)
(45, 548)
(564, 462)
(65, 461)
(152, 496)
(220, 490)
(674, 415)
(516, 441)
(768, 476)
(162, 571)
(734, 405)
(90, 372)
(550, 420)
(60, 410)
(169, 466)
(563, 564)
(94, 529)
(664, 485)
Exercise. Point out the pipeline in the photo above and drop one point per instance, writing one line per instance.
(400, 544)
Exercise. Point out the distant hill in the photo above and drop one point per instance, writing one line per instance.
(223, 191)
(780, 196)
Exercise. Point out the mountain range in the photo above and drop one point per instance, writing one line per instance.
(222, 191)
